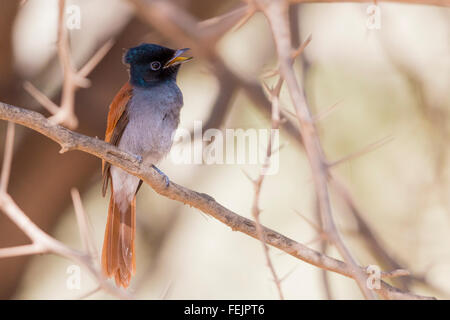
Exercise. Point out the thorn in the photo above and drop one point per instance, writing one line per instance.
(266, 86)
(274, 91)
(369, 148)
(302, 47)
(289, 112)
(40, 97)
(319, 238)
(321, 115)
(288, 274)
(277, 88)
(166, 291)
(96, 58)
(203, 215)
(311, 223)
(271, 73)
(211, 30)
(250, 12)
(81, 81)
(277, 150)
(248, 176)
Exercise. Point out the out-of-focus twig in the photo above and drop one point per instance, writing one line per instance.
(374, 243)
(276, 14)
(274, 94)
(41, 241)
(72, 79)
(7, 156)
(86, 232)
(365, 150)
(182, 28)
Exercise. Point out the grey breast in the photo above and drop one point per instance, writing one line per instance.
(154, 115)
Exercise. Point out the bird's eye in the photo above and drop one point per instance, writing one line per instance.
(155, 65)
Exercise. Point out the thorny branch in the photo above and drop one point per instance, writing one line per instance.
(69, 140)
(274, 97)
(257, 183)
(72, 80)
(180, 27)
(41, 241)
(276, 13)
(167, 23)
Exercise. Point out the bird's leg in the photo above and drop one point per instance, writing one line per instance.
(138, 158)
(163, 174)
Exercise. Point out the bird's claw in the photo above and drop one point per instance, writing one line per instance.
(138, 158)
(166, 178)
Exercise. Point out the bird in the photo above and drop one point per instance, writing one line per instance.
(142, 118)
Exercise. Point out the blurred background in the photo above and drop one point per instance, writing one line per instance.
(391, 82)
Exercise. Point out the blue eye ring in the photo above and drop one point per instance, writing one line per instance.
(155, 65)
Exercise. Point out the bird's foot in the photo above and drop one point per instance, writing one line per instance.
(138, 158)
(166, 178)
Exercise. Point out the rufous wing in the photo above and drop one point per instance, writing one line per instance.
(116, 123)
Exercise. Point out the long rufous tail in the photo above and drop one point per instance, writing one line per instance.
(118, 255)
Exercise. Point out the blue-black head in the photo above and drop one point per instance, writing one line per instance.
(151, 64)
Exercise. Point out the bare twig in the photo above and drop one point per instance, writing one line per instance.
(365, 150)
(257, 183)
(86, 232)
(40, 97)
(24, 250)
(41, 241)
(89, 293)
(322, 115)
(7, 157)
(72, 79)
(276, 14)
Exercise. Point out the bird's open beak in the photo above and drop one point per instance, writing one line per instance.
(177, 58)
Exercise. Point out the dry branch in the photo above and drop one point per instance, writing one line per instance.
(41, 241)
(276, 13)
(72, 79)
(70, 140)
(257, 183)
(181, 27)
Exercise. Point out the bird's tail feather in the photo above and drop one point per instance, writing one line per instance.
(118, 255)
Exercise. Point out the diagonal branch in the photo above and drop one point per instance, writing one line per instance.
(43, 243)
(70, 140)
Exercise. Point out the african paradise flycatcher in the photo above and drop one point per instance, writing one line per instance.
(141, 120)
